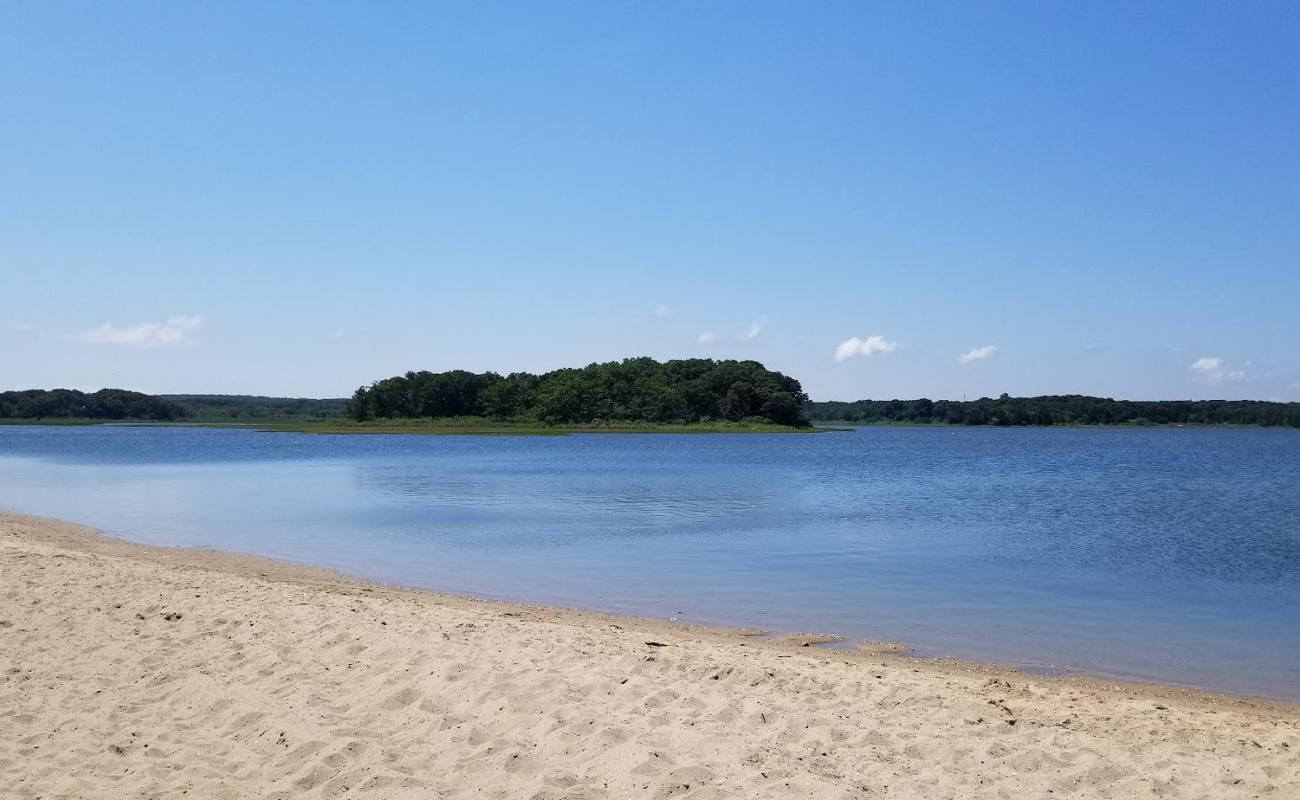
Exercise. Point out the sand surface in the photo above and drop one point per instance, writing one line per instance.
(129, 672)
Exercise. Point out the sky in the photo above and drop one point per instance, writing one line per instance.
(883, 200)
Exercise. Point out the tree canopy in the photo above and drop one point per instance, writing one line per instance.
(72, 404)
(632, 390)
(115, 404)
(637, 390)
(248, 407)
(1070, 409)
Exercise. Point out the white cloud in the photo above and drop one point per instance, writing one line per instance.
(864, 347)
(1213, 369)
(977, 354)
(173, 331)
(708, 337)
(663, 311)
(754, 329)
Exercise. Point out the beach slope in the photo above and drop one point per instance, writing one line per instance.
(128, 671)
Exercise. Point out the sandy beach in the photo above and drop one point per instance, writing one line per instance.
(131, 671)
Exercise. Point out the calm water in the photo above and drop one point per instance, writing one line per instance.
(1170, 554)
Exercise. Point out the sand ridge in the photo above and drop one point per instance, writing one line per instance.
(130, 671)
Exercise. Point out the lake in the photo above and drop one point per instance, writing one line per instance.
(1170, 555)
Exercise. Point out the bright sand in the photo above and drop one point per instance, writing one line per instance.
(129, 671)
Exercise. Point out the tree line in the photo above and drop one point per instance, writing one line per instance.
(240, 406)
(1059, 410)
(632, 390)
(120, 404)
(637, 390)
(72, 404)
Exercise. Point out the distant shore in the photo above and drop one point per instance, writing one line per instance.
(829, 424)
(141, 670)
(480, 427)
(455, 426)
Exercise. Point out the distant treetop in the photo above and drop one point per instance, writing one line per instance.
(248, 407)
(1070, 409)
(71, 404)
(632, 390)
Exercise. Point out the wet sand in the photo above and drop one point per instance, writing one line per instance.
(132, 671)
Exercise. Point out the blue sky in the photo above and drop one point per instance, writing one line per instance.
(882, 200)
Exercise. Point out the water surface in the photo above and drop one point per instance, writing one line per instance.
(1157, 554)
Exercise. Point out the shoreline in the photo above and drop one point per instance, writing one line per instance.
(144, 670)
(434, 427)
(93, 540)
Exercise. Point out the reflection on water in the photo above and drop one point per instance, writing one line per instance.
(1165, 554)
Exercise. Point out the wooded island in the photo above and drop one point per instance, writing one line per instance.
(683, 391)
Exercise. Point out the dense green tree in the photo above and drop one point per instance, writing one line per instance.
(109, 404)
(1059, 410)
(632, 390)
(509, 397)
(247, 407)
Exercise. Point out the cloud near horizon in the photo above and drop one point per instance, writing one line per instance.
(864, 347)
(977, 354)
(1213, 370)
(708, 337)
(170, 332)
(754, 329)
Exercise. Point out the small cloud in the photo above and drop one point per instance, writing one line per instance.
(754, 329)
(977, 354)
(171, 332)
(663, 311)
(706, 338)
(1213, 369)
(864, 347)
